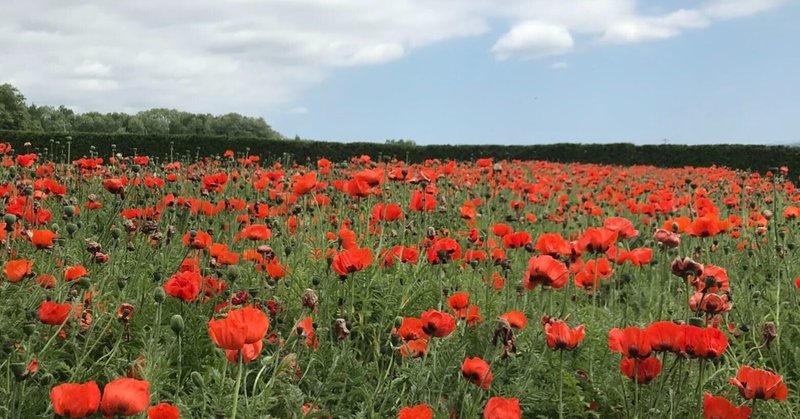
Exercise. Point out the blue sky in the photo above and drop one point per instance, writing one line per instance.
(737, 81)
(443, 71)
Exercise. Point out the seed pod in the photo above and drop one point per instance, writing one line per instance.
(176, 324)
(159, 295)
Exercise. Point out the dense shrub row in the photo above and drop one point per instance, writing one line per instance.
(753, 157)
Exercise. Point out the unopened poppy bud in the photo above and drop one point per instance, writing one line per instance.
(18, 368)
(136, 168)
(232, 273)
(69, 210)
(116, 232)
(197, 379)
(159, 295)
(28, 327)
(192, 234)
(176, 324)
(315, 280)
(84, 282)
(121, 282)
(675, 227)
(158, 276)
(10, 219)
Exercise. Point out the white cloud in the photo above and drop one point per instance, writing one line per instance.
(253, 55)
(533, 39)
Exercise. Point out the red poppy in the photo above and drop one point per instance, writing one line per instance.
(255, 232)
(54, 313)
(17, 269)
(501, 229)
(502, 408)
(115, 186)
(622, 226)
(443, 251)
(705, 342)
(26, 160)
(437, 323)
(420, 411)
(755, 383)
(73, 400)
(163, 411)
(248, 352)
(715, 407)
(46, 281)
(547, 271)
(516, 240)
(305, 328)
(197, 239)
(459, 302)
(404, 254)
(303, 184)
(351, 260)
(411, 329)
(515, 319)
(596, 240)
(184, 285)
(42, 239)
(645, 369)
(667, 238)
(75, 272)
(477, 372)
(552, 244)
(705, 226)
(125, 397)
(666, 336)
(256, 321)
(592, 272)
(631, 342)
(560, 336)
(228, 333)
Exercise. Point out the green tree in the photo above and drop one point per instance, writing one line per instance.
(13, 110)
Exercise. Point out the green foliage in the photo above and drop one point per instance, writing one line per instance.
(747, 157)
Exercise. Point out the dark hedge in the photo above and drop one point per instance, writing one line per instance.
(752, 157)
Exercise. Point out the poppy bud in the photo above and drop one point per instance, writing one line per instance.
(28, 327)
(69, 210)
(197, 379)
(84, 282)
(315, 281)
(10, 219)
(121, 282)
(158, 276)
(18, 368)
(232, 273)
(116, 232)
(696, 321)
(176, 324)
(136, 168)
(159, 295)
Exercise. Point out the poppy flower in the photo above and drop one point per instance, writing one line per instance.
(596, 240)
(255, 232)
(666, 336)
(184, 286)
(248, 352)
(502, 408)
(75, 272)
(46, 281)
(560, 336)
(410, 329)
(163, 411)
(552, 244)
(501, 229)
(54, 313)
(228, 333)
(125, 397)
(710, 304)
(645, 369)
(515, 319)
(17, 269)
(715, 407)
(197, 239)
(459, 302)
(306, 328)
(303, 184)
(705, 342)
(686, 267)
(73, 400)
(477, 372)
(631, 342)
(437, 323)
(755, 383)
(667, 238)
(404, 254)
(545, 270)
(592, 272)
(351, 260)
(42, 239)
(26, 160)
(622, 226)
(420, 411)
(414, 348)
(516, 240)
(706, 226)
(115, 186)
(256, 321)
(443, 251)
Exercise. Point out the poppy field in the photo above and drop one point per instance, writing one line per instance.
(238, 287)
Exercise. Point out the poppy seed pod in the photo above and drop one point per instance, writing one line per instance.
(159, 295)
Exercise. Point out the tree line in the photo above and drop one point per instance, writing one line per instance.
(16, 114)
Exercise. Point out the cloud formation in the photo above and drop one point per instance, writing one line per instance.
(254, 56)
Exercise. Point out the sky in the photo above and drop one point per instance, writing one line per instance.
(431, 71)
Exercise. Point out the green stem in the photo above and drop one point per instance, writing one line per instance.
(236, 388)
(561, 384)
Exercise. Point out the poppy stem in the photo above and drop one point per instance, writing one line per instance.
(561, 384)
(238, 385)
(700, 382)
(636, 387)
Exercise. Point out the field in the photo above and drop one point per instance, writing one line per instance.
(232, 286)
